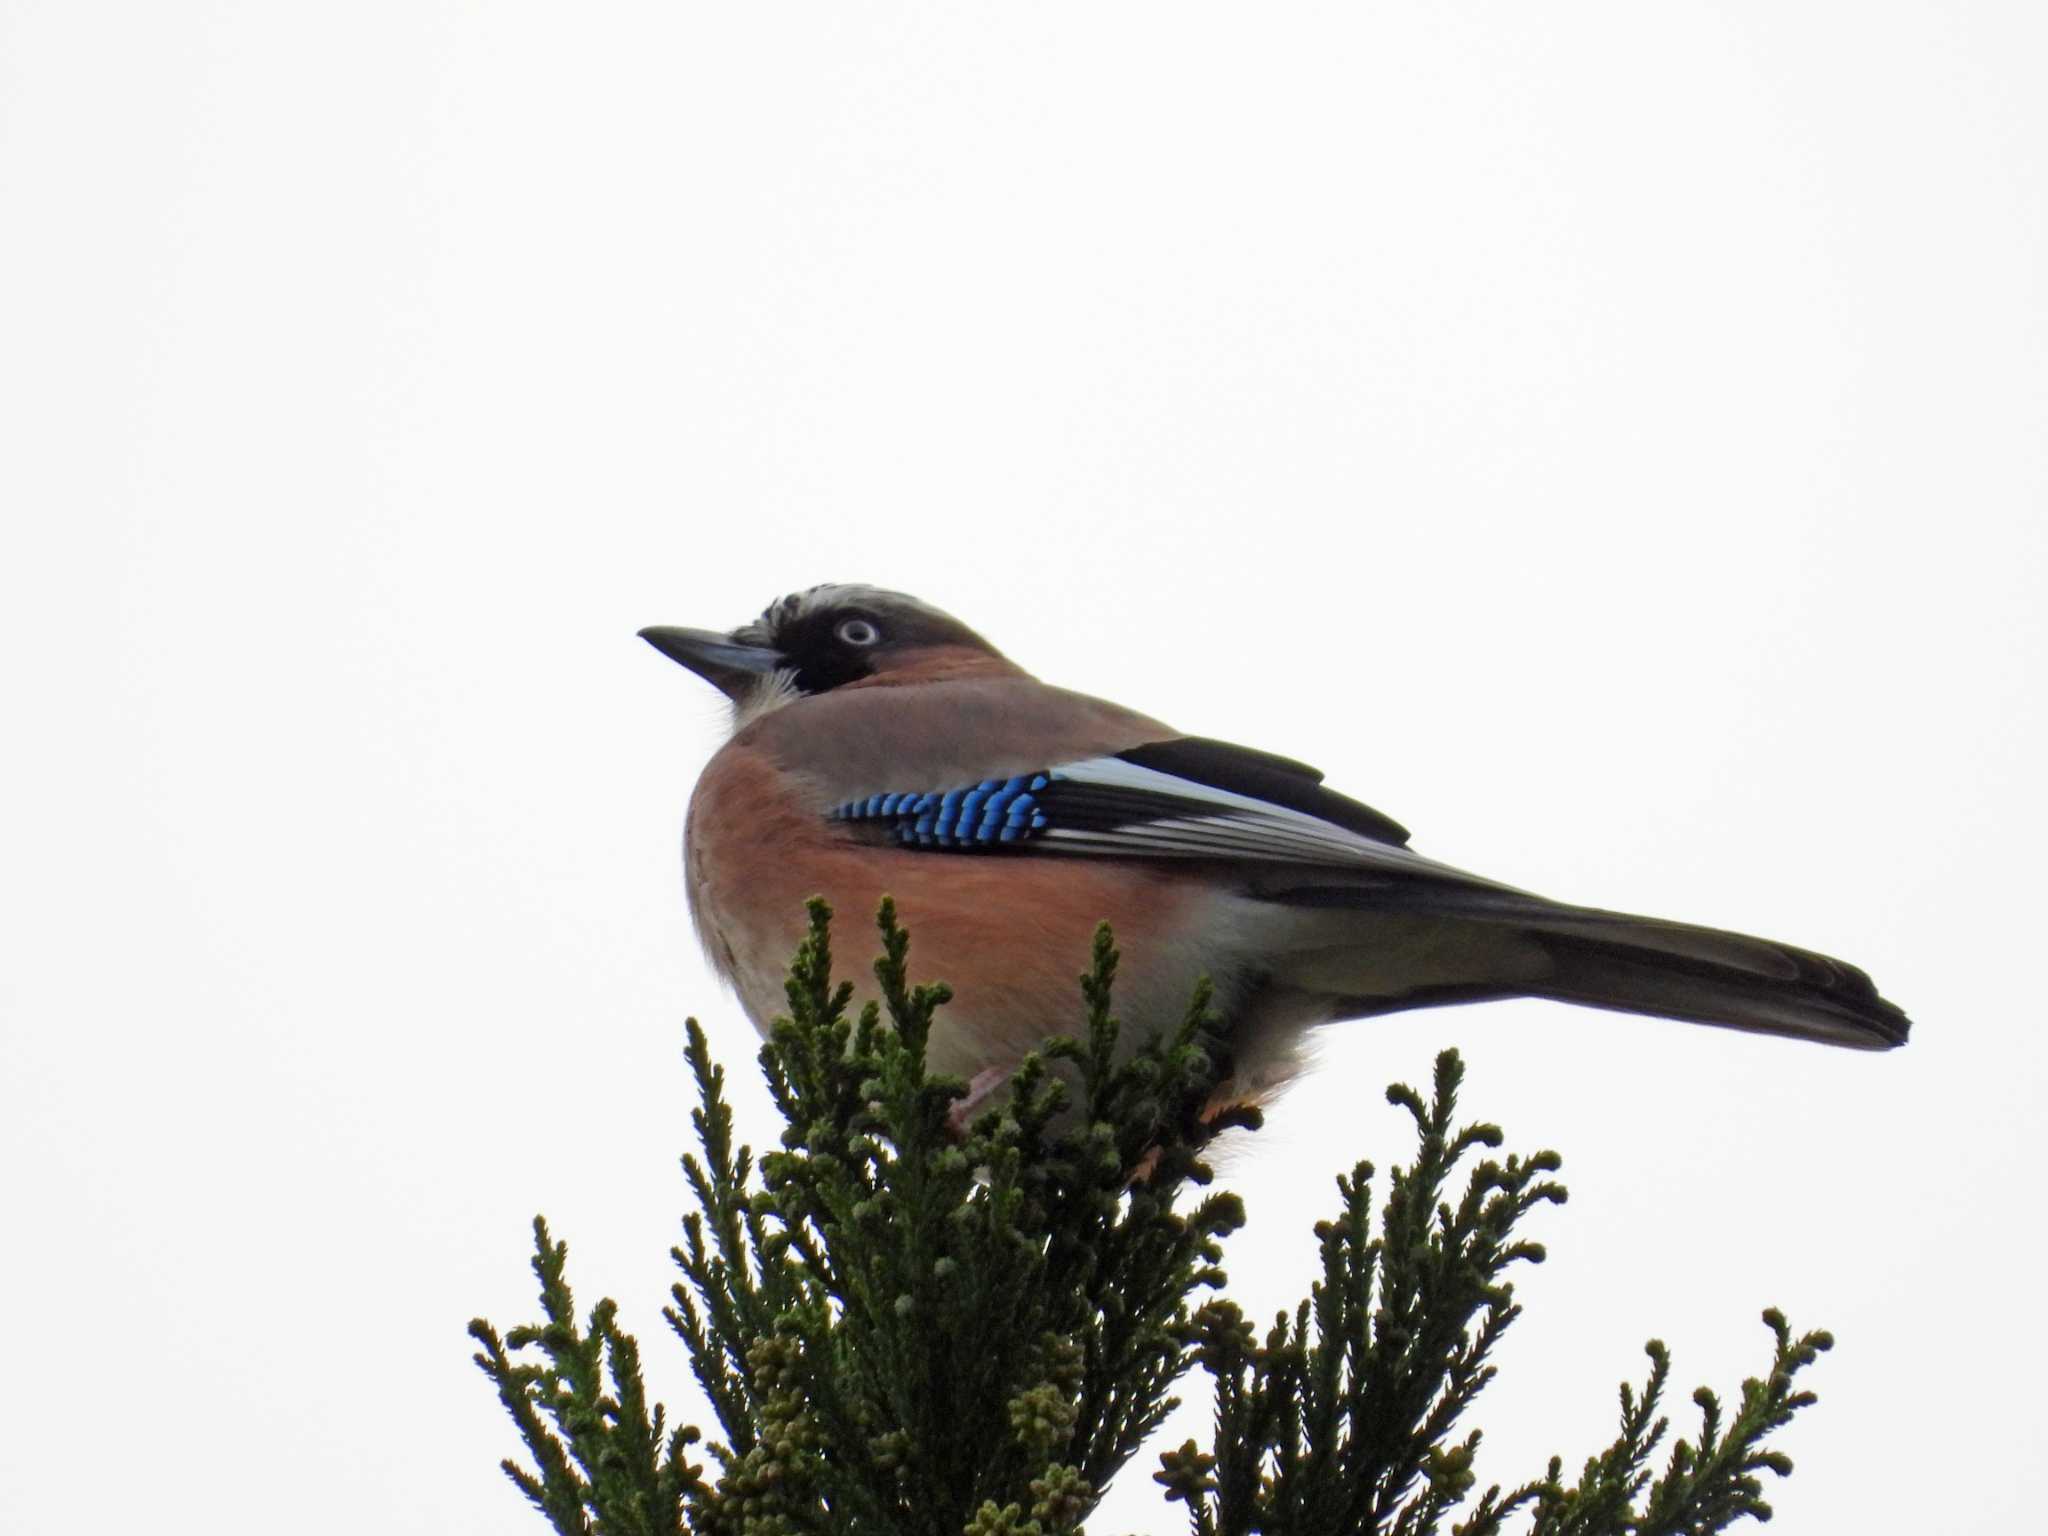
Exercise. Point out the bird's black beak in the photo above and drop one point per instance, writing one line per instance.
(721, 661)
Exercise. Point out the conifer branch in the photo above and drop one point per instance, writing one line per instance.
(923, 1314)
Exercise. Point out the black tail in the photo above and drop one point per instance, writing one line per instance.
(1412, 945)
(1677, 971)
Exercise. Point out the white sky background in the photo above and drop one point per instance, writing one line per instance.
(1609, 438)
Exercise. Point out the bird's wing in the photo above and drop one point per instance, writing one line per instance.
(1187, 798)
(1340, 866)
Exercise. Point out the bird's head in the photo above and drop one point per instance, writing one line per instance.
(835, 636)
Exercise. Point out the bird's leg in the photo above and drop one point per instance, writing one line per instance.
(980, 1089)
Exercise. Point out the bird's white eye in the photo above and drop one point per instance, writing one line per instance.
(857, 632)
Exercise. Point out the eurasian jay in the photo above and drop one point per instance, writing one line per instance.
(881, 746)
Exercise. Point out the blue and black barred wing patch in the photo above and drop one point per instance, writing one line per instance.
(1117, 808)
(991, 814)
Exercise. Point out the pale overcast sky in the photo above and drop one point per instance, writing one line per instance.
(1612, 439)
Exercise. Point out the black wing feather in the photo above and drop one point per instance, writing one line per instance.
(1265, 776)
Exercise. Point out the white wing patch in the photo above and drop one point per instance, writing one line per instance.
(1143, 813)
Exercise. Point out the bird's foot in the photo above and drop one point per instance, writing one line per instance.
(980, 1089)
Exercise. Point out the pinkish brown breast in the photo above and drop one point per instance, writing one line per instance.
(1009, 932)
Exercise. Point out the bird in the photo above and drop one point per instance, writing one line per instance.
(880, 747)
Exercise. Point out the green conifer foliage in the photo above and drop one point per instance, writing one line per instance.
(920, 1315)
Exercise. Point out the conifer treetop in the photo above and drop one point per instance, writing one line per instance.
(915, 1317)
